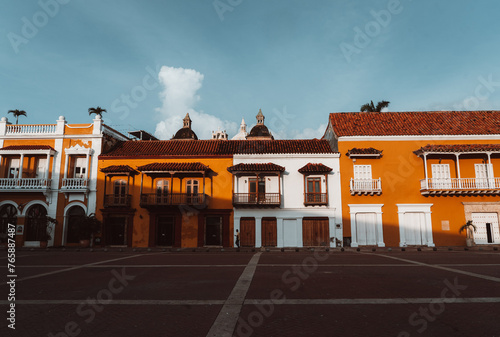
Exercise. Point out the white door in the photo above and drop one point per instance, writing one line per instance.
(441, 176)
(487, 228)
(14, 168)
(363, 177)
(414, 229)
(41, 168)
(481, 175)
(366, 228)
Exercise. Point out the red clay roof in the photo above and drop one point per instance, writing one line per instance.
(363, 151)
(27, 147)
(165, 148)
(269, 167)
(118, 169)
(314, 168)
(415, 123)
(459, 148)
(166, 167)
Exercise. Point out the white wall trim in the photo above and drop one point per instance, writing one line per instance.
(354, 209)
(415, 208)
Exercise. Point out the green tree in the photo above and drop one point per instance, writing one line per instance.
(97, 111)
(18, 113)
(370, 107)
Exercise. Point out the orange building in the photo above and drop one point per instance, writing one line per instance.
(414, 178)
(49, 169)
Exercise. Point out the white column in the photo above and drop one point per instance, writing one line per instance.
(458, 172)
(87, 165)
(21, 162)
(428, 226)
(61, 122)
(66, 165)
(334, 232)
(280, 232)
(354, 237)
(402, 238)
(489, 170)
(380, 230)
(47, 166)
(258, 232)
(425, 169)
(236, 227)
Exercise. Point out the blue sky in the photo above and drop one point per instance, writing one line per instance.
(223, 60)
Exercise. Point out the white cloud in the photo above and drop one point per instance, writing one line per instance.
(179, 96)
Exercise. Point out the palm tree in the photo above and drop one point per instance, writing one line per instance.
(18, 113)
(370, 107)
(468, 227)
(97, 111)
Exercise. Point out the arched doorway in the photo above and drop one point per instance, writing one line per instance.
(8, 215)
(36, 223)
(72, 216)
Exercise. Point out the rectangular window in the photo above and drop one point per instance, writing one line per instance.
(80, 168)
(41, 167)
(313, 185)
(362, 172)
(441, 178)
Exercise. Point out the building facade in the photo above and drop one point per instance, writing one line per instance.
(50, 169)
(414, 178)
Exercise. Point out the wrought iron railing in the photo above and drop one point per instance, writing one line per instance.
(256, 199)
(154, 199)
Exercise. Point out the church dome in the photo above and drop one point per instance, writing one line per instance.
(260, 131)
(185, 133)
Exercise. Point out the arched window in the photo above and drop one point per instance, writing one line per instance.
(72, 216)
(36, 224)
(8, 215)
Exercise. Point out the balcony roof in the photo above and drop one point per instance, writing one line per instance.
(32, 149)
(314, 168)
(364, 152)
(268, 167)
(174, 167)
(119, 170)
(458, 148)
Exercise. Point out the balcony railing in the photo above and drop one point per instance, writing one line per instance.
(315, 199)
(117, 200)
(366, 186)
(28, 129)
(172, 199)
(74, 184)
(460, 186)
(24, 184)
(257, 199)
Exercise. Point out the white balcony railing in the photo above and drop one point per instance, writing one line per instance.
(29, 129)
(24, 184)
(460, 185)
(74, 184)
(366, 186)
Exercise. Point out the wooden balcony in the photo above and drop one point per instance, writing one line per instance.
(119, 200)
(313, 199)
(435, 186)
(75, 185)
(257, 199)
(366, 186)
(173, 199)
(24, 184)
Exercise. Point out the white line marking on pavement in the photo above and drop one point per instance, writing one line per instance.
(484, 277)
(354, 301)
(141, 266)
(118, 302)
(225, 323)
(76, 267)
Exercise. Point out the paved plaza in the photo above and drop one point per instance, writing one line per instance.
(255, 293)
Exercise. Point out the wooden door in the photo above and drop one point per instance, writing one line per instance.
(247, 232)
(315, 232)
(269, 232)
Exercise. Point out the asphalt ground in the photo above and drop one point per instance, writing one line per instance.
(253, 293)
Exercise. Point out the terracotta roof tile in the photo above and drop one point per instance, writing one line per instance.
(118, 169)
(165, 148)
(314, 168)
(415, 123)
(459, 148)
(27, 147)
(269, 167)
(165, 167)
